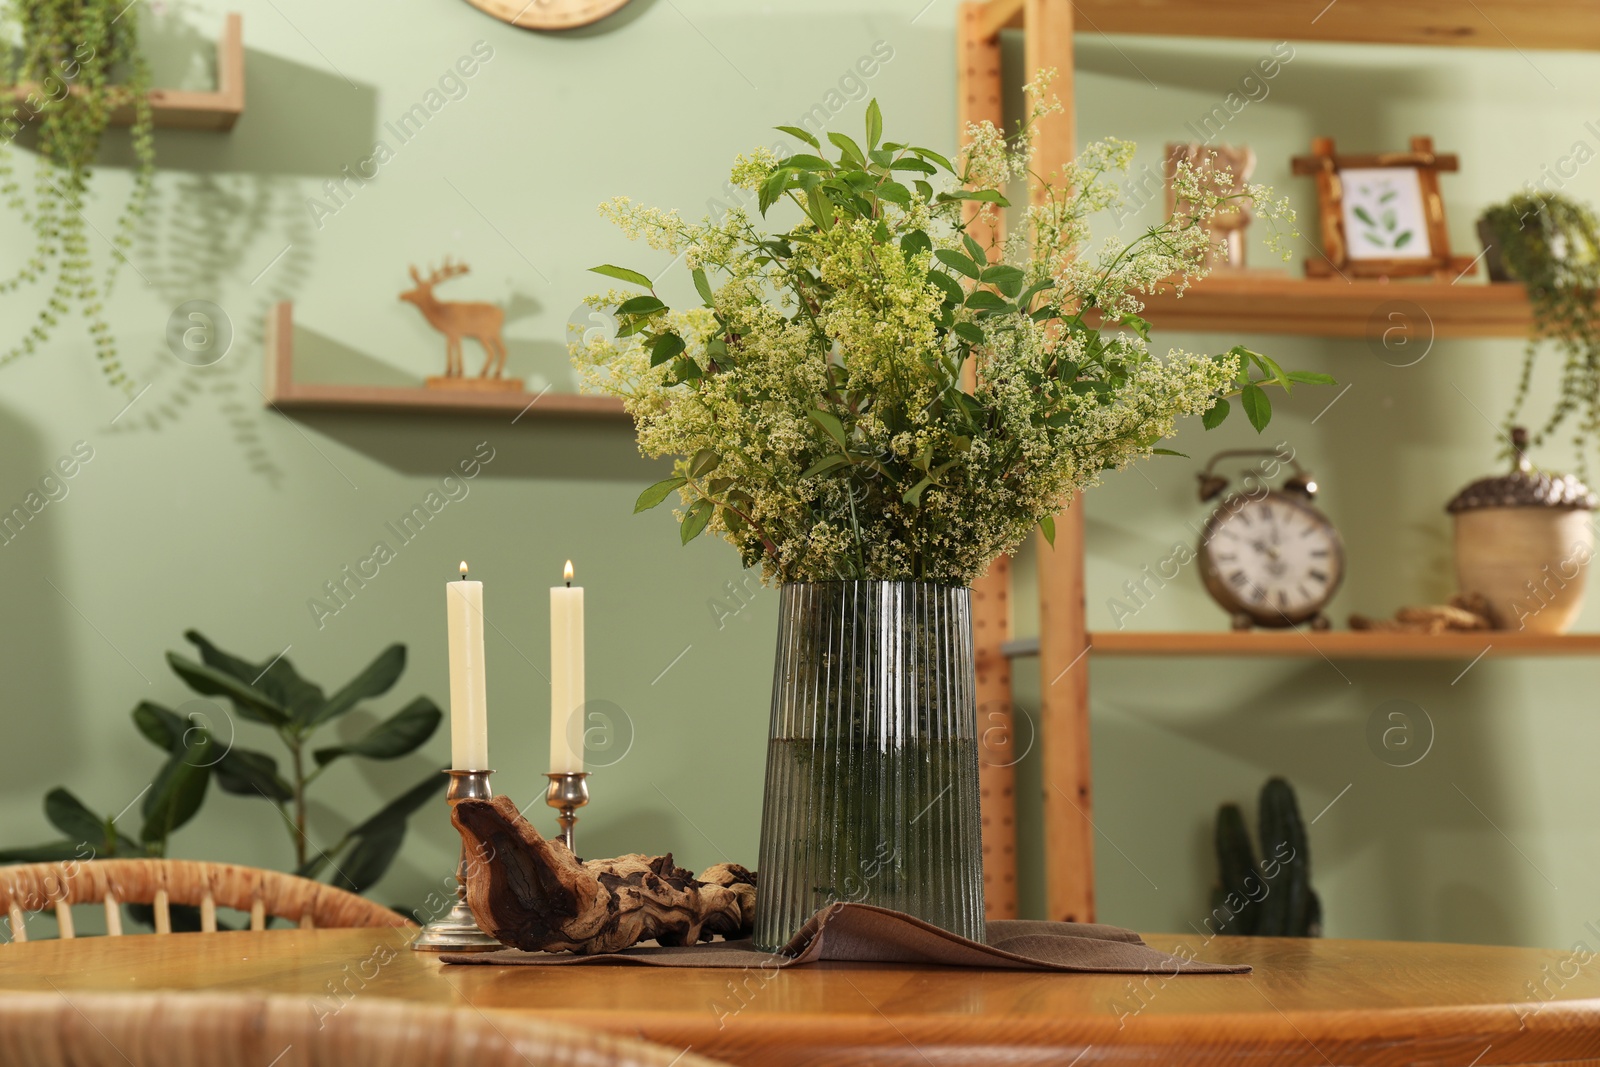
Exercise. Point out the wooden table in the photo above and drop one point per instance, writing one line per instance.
(1308, 1002)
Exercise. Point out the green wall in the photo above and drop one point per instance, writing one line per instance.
(201, 510)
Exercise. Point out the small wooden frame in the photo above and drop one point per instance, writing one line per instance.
(173, 109)
(1404, 218)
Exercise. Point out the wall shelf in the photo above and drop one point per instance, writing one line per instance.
(1268, 302)
(183, 109)
(1332, 644)
(283, 393)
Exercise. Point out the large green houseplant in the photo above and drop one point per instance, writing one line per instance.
(68, 67)
(871, 399)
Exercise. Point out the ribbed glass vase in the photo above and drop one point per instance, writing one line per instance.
(872, 762)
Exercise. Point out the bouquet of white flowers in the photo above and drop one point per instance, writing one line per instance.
(874, 393)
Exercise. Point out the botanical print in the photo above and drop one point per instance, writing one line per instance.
(1383, 213)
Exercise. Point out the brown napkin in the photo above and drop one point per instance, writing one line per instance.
(862, 933)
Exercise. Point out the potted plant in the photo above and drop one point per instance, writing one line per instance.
(75, 64)
(870, 404)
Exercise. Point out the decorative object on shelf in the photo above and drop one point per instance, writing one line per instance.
(1267, 555)
(871, 409)
(457, 930)
(534, 894)
(1552, 245)
(549, 14)
(1464, 614)
(457, 319)
(1381, 215)
(199, 751)
(82, 60)
(1271, 897)
(1226, 248)
(1523, 542)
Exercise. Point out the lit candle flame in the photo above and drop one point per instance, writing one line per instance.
(566, 575)
(463, 569)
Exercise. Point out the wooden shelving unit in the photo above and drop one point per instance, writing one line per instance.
(284, 394)
(183, 109)
(1241, 304)
(1331, 644)
(1263, 302)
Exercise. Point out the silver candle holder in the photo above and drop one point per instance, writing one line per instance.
(569, 791)
(458, 931)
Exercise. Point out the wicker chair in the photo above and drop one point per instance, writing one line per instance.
(33, 887)
(70, 1029)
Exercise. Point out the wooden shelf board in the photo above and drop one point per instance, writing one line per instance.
(1563, 25)
(284, 394)
(1398, 312)
(1332, 644)
(181, 109)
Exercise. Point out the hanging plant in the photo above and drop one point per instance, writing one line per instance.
(1552, 244)
(71, 65)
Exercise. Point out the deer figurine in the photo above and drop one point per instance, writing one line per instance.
(458, 319)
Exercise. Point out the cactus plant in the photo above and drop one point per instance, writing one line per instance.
(1271, 897)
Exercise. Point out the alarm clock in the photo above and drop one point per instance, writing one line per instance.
(549, 14)
(1268, 556)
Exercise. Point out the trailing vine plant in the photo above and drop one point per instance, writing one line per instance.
(1552, 244)
(70, 66)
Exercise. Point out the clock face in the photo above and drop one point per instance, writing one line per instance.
(548, 14)
(1274, 558)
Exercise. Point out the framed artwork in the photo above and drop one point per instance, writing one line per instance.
(1381, 215)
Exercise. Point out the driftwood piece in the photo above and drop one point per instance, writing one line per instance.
(1463, 613)
(534, 894)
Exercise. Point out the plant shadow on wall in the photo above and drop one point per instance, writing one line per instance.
(200, 743)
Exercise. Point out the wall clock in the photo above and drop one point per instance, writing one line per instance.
(548, 14)
(1268, 556)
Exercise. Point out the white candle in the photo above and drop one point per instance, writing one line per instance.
(469, 705)
(566, 676)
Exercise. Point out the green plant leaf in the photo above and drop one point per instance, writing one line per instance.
(377, 841)
(826, 464)
(248, 773)
(948, 286)
(1305, 377)
(177, 792)
(641, 305)
(969, 332)
(1004, 277)
(251, 703)
(1404, 239)
(704, 462)
(958, 262)
(1364, 215)
(72, 817)
(831, 425)
(375, 680)
(800, 135)
(1047, 526)
(1168, 452)
(53, 852)
(622, 274)
(695, 520)
(667, 346)
(163, 727)
(1257, 406)
(405, 731)
(895, 193)
(851, 150)
(657, 493)
(913, 496)
(276, 677)
(702, 285)
(1215, 414)
(874, 124)
(984, 300)
(914, 242)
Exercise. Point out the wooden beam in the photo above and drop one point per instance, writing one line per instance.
(1519, 24)
(1328, 644)
(1064, 668)
(997, 15)
(979, 97)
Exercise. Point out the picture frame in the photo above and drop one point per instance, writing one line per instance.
(1381, 215)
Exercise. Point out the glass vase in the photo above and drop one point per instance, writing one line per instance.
(872, 760)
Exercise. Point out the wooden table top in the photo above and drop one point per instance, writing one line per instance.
(1308, 1002)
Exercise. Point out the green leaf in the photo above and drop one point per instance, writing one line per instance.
(969, 332)
(695, 520)
(984, 300)
(958, 263)
(656, 494)
(916, 165)
(800, 135)
(1305, 377)
(831, 425)
(253, 704)
(1137, 325)
(826, 464)
(667, 346)
(54, 852)
(162, 726)
(702, 286)
(641, 305)
(948, 286)
(378, 840)
(974, 249)
(1404, 239)
(375, 680)
(1361, 213)
(72, 817)
(403, 732)
(1215, 414)
(988, 196)
(177, 792)
(622, 274)
(895, 193)
(1004, 277)
(849, 148)
(704, 462)
(403, 806)
(1047, 526)
(1168, 452)
(915, 242)
(805, 161)
(874, 124)
(247, 773)
(1257, 407)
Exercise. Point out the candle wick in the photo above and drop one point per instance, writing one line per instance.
(569, 585)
